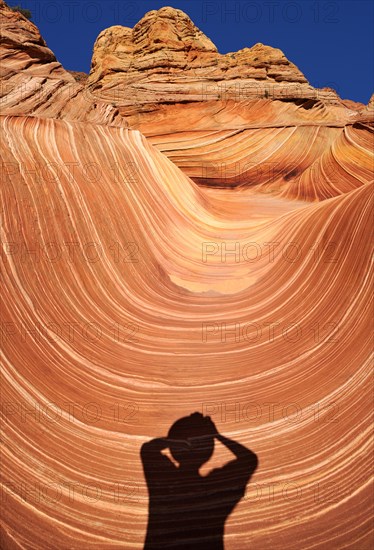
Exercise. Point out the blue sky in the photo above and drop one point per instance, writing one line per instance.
(332, 42)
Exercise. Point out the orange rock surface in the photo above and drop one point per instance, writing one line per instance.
(166, 58)
(133, 296)
(219, 116)
(34, 83)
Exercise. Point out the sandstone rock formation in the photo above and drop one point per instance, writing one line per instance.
(214, 115)
(166, 58)
(134, 296)
(32, 77)
(82, 77)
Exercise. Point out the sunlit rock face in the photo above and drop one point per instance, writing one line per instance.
(166, 58)
(218, 117)
(133, 296)
(34, 83)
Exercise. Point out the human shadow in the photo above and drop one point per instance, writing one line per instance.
(188, 510)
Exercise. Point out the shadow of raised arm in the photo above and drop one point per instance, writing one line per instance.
(244, 455)
(188, 510)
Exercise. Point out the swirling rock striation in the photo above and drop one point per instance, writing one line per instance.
(133, 296)
(218, 116)
(34, 83)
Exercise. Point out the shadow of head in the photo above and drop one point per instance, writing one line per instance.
(191, 440)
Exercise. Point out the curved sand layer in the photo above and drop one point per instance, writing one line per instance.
(115, 324)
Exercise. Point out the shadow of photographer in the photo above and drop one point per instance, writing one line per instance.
(188, 510)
